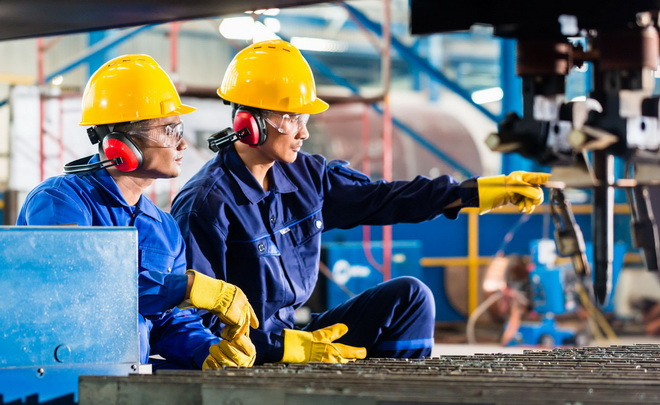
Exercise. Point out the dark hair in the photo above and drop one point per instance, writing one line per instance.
(131, 126)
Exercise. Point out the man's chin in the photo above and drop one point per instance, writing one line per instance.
(170, 175)
(290, 158)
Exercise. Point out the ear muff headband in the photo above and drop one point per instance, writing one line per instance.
(118, 145)
(250, 119)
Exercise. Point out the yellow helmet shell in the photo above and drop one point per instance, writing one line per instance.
(130, 88)
(272, 75)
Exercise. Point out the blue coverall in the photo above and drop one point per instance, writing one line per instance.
(95, 200)
(268, 243)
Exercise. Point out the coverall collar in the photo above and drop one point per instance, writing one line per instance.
(280, 182)
(105, 181)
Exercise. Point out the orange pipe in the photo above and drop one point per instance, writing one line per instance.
(42, 107)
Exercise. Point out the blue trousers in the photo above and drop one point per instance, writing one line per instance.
(393, 319)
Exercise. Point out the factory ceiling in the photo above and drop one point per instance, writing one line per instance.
(36, 18)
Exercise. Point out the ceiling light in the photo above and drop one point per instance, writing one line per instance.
(245, 28)
(237, 28)
(318, 44)
(272, 24)
(487, 95)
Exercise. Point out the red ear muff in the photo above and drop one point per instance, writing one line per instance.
(118, 145)
(251, 120)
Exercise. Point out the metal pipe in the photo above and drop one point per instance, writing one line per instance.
(603, 224)
(42, 110)
(174, 49)
(386, 71)
(174, 66)
(411, 56)
(473, 259)
(366, 169)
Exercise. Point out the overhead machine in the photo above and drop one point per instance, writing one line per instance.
(580, 139)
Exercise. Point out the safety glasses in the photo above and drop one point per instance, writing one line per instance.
(168, 135)
(286, 123)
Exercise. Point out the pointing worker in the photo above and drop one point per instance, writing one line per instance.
(253, 216)
(132, 110)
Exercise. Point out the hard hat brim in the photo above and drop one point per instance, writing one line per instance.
(181, 110)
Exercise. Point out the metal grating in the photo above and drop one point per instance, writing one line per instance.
(592, 375)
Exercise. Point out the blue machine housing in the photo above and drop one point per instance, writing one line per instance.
(553, 293)
(350, 267)
(69, 308)
(552, 290)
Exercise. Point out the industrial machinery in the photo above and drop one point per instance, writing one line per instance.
(580, 139)
(69, 309)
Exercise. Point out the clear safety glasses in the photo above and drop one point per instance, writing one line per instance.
(167, 136)
(286, 123)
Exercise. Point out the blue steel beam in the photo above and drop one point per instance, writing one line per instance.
(94, 63)
(410, 55)
(99, 47)
(327, 72)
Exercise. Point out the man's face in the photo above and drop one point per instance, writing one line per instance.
(285, 136)
(162, 146)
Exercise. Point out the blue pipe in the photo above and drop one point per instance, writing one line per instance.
(408, 54)
(511, 84)
(427, 144)
(327, 72)
(94, 63)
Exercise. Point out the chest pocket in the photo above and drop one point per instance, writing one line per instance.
(306, 238)
(305, 230)
(157, 261)
(260, 248)
(255, 267)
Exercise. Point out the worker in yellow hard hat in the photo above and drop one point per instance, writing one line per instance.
(253, 216)
(132, 111)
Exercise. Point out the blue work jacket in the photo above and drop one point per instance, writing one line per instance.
(269, 242)
(95, 200)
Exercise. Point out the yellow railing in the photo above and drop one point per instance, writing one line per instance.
(472, 261)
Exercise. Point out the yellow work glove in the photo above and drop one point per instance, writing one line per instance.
(519, 188)
(233, 353)
(224, 300)
(318, 346)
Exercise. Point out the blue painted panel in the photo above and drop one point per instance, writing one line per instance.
(69, 306)
(57, 384)
(350, 267)
(440, 237)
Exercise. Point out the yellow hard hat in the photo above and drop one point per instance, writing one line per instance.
(271, 75)
(130, 88)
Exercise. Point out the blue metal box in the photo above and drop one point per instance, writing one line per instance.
(69, 308)
(350, 267)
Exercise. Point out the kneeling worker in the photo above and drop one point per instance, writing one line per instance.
(253, 216)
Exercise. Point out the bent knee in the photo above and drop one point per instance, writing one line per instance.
(412, 287)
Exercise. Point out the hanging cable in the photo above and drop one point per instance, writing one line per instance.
(328, 274)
